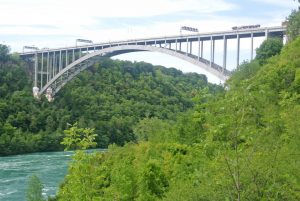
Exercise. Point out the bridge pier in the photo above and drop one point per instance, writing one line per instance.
(49, 94)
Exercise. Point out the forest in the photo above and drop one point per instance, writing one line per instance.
(111, 96)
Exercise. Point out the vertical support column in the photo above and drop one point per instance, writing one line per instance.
(79, 53)
(187, 46)
(211, 51)
(73, 56)
(67, 58)
(48, 67)
(180, 46)
(53, 64)
(176, 45)
(60, 61)
(51, 67)
(35, 69)
(238, 51)
(165, 44)
(267, 33)
(42, 70)
(191, 46)
(224, 53)
(251, 46)
(199, 47)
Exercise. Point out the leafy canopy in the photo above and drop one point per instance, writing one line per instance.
(269, 48)
(4, 50)
(293, 27)
(79, 138)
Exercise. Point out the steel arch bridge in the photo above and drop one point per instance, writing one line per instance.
(53, 68)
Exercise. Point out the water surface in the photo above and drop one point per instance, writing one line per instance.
(50, 167)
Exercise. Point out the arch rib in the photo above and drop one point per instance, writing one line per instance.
(70, 71)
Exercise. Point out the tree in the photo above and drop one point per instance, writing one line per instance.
(269, 48)
(34, 190)
(4, 50)
(79, 138)
(293, 27)
(152, 129)
(154, 182)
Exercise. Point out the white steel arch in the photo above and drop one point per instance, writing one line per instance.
(71, 70)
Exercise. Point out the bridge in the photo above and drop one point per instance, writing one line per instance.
(53, 68)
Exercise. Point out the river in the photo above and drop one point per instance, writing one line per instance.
(50, 167)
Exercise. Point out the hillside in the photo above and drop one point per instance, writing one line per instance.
(242, 144)
(112, 96)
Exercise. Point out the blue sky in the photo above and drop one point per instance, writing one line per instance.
(49, 23)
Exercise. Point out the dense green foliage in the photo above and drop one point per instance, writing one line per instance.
(293, 28)
(79, 138)
(4, 50)
(269, 48)
(112, 96)
(241, 144)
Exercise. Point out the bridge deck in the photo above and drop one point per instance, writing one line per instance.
(231, 34)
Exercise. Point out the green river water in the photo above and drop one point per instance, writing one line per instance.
(50, 167)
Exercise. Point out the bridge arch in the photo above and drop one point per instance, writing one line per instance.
(73, 69)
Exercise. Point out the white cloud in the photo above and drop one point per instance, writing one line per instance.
(282, 3)
(70, 17)
(70, 12)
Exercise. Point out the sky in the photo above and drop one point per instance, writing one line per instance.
(58, 23)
